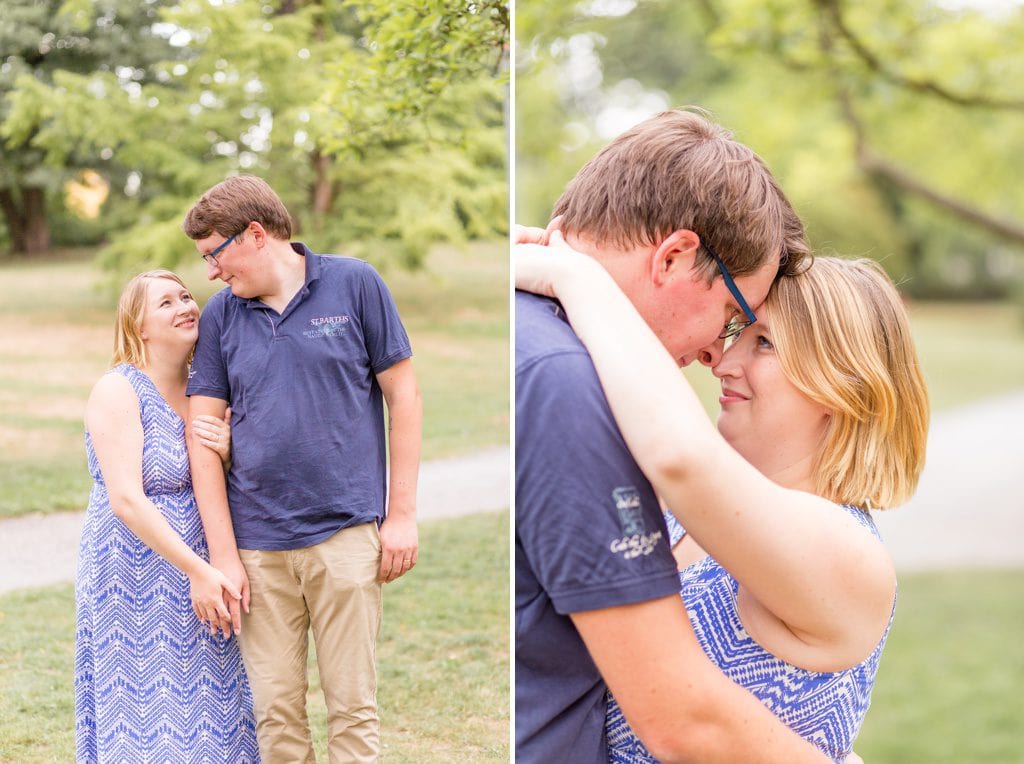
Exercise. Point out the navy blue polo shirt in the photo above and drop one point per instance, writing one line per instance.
(307, 414)
(589, 535)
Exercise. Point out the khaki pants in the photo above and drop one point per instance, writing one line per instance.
(332, 587)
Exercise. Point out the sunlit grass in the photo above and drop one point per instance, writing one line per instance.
(949, 681)
(443, 657)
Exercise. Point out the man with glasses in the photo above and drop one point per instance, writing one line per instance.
(694, 229)
(305, 349)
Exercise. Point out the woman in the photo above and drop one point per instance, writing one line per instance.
(152, 683)
(824, 418)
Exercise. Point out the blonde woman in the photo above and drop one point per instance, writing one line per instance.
(152, 682)
(824, 417)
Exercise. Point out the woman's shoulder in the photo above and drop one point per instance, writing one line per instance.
(113, 389)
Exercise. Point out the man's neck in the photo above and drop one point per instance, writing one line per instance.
(286, 272)
(626, 267)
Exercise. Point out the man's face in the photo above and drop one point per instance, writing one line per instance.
(687, 314)
(233, 264)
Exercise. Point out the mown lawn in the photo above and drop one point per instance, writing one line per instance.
(443, 657)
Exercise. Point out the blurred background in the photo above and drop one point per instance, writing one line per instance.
(384, 128)
(897, 131)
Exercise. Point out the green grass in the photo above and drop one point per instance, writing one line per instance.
(969, 351)
(443, 657)
(58, 318)
(948, 687)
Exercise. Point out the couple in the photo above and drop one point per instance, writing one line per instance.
(305, 349)
(677, 239)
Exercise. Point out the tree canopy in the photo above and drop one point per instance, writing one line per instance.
(895, 127)
(380, 125)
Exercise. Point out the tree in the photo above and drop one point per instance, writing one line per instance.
(41, 39)
(893, 126)
(320, 98)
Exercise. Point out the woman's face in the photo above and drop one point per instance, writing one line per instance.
(764, 416)
(171, 315)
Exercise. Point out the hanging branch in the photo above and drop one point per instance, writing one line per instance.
(874, 164)
(834, 14)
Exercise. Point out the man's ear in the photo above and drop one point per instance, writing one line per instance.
(675, 255)
(258, 233)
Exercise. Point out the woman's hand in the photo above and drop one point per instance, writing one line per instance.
(214, 433)
(210, 588)
(546, 269)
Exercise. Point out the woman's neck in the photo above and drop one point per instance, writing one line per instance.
(795, 473)
(167, 373)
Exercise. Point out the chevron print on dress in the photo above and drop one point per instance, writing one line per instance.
(825, 708)
(151, 683)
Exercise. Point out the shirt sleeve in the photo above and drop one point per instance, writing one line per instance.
(586, 517)
(208, 374)
(386, 340)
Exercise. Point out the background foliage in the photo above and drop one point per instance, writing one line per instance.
(894, 127)
(381, 125)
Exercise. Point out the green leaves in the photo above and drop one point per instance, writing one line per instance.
(342, 107)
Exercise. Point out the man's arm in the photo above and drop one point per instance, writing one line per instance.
(676, 700)
(208, 482)
(398, 535)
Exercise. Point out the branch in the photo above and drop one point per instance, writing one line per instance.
(874, 164)
(927, 86)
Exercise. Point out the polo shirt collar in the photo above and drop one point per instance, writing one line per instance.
(313, 268)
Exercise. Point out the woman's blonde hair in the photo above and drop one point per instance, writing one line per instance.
(131, 309)
(842, 337)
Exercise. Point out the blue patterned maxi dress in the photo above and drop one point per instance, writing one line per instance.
(151, 683)
(825, 708)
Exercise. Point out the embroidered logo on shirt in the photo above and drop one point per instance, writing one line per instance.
(327, 326)
(635, 542)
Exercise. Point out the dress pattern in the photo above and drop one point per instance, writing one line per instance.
(152, 685)
(825, 708)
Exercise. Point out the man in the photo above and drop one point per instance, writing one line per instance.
(597, 595)
(303, 348)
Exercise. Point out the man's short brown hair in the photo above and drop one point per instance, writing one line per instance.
(678, 170)
(232, 204)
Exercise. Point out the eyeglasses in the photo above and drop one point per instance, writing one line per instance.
(211, 256)
(735, 325)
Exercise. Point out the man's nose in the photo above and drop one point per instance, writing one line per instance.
(710, 355)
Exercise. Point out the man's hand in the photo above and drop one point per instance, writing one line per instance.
(399, 547)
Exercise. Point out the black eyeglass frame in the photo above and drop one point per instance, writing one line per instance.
(735, 325)
(211, 256)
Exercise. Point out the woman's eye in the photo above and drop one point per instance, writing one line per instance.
(764, 342)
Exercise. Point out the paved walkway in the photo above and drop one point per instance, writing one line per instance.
(969, 506)
(968, 511)
(39, 550)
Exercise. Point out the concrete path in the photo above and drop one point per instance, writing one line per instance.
(968, 511)
(969, 506)
(39, 550)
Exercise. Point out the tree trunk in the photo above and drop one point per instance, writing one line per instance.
(27, 224)
(37, 227)
(14, 220)
(322, 193)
